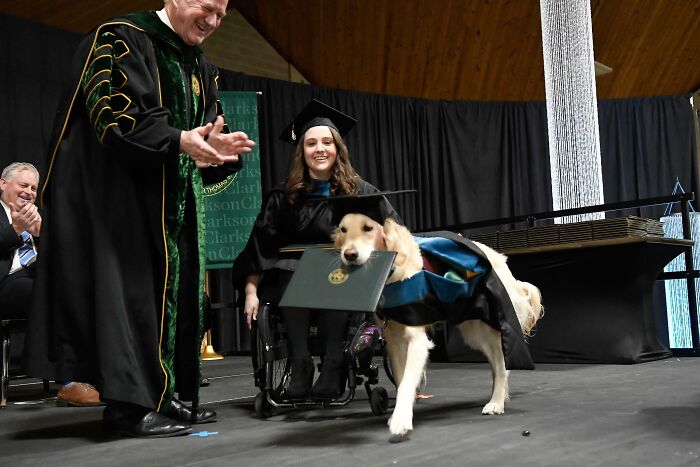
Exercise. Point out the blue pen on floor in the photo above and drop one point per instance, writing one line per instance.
(204, 434)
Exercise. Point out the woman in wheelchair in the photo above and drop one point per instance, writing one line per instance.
(294, 213)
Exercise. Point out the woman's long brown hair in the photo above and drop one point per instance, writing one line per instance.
(344, 179)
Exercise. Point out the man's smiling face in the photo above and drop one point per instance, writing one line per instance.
(195, 20)
(19, 188)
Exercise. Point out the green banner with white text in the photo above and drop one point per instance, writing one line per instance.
(232, 205)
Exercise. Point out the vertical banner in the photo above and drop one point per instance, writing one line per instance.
(232, 204)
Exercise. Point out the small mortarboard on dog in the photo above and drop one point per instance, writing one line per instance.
(316, 113)
(373, 205)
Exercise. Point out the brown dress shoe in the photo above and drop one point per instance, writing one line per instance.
(78, 395)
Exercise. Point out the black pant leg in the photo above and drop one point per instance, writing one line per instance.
(15, 294)
(187, 336)
(297, 322)
(332, 328)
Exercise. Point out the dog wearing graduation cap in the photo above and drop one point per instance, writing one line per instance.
(439, 277)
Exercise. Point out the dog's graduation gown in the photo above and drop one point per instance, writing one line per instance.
(457, 284)
(120, 279)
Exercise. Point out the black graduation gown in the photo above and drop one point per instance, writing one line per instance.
(118, 295)
(280, 224)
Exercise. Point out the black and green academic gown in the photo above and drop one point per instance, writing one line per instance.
(280, 223)
(120, 281)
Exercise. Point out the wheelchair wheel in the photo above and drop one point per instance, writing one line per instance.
(379, 401)
(263, 409)
(268, 352)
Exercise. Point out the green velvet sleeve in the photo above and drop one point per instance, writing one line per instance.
(122, 96)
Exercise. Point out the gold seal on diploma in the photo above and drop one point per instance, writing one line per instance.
(338, 276)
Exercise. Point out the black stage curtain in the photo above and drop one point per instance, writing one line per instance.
(35, 63)
(473, 161)
(468, 160)
(645, 145)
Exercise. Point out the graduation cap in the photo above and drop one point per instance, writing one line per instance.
(373, 205)
(316, 113)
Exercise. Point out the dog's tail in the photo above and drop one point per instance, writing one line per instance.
(526, 298)
(531, 313)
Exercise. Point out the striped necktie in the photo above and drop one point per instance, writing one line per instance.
(26, 252)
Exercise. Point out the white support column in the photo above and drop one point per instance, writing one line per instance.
(572, 110)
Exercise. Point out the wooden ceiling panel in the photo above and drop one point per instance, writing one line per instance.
(477, 49)
(443, 49)
(651, 46)
(74, 15)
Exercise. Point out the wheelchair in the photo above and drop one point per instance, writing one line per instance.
(272, 373)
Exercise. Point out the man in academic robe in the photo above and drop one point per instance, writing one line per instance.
(119, 293)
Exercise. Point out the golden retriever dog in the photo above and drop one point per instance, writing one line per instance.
(356, 237)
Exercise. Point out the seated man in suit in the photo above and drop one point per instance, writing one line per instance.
(19, 233)
(19, 229)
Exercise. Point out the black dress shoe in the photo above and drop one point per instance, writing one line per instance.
(330, 384)
(141, 423)
(300, 378)
(179, 411)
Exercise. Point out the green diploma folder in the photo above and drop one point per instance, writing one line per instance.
(322, 281)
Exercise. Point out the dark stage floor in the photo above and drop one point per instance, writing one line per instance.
(592, 415)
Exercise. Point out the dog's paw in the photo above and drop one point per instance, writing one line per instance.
(398, 438)
(493, 408)
(400, 425)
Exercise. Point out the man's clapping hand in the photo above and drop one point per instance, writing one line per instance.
(26, 217)
(208, 146)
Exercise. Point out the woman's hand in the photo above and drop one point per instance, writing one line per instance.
(252, 303)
